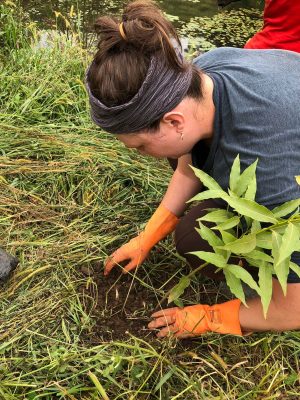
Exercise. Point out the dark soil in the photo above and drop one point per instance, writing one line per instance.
(124, 305)
(124, 302)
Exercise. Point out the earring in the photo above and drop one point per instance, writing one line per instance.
(181, 135)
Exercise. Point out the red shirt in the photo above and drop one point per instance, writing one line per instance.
(281, 28)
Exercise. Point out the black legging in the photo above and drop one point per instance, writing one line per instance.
(187, 239)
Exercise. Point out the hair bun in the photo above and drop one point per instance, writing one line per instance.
(144, 27)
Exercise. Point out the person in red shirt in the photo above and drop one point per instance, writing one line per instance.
(281, 29)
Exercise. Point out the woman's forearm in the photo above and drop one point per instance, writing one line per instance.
(283, 313)
(182, 187)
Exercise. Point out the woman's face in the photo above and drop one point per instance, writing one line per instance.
(179, 130)
(159, 144)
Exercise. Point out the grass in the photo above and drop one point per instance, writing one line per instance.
(69, 195)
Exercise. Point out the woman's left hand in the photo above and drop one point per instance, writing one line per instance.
(180, 322)
(195, 320)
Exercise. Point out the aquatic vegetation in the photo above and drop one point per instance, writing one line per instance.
(227, 28)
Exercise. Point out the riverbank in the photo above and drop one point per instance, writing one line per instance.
(69, 195)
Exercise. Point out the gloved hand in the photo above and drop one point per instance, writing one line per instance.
(198, 319)
(159, 226)
(7, 264)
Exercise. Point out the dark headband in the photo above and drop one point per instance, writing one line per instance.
(162, 90)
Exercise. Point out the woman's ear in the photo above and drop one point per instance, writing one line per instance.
(175, 119)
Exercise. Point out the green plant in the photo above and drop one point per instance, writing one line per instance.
(15, 30)
(227, 28)
(247, 231)
(70, 194)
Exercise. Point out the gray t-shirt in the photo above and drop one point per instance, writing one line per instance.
(257, 100)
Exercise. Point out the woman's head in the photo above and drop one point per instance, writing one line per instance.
(138, 74)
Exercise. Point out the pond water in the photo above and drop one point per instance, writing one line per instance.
(43, 11)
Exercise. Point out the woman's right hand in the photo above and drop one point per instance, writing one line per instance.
(134, 251)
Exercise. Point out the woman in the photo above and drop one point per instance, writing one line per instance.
(228, 102)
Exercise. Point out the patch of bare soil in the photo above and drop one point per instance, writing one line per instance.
(124, 302)
(124, 305)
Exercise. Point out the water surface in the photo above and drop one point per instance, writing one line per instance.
(43, 11)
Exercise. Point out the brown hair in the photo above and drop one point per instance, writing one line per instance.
(123, 57)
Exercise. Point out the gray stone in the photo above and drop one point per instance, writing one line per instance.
(7, 264)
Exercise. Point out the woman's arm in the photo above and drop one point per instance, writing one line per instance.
(182, 187)
(283, 313)
(232, 316)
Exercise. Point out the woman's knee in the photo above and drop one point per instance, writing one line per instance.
(187, 239)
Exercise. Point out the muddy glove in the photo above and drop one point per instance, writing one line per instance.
(223, 3)
(7, 264)
(159, 226)
(198, 319)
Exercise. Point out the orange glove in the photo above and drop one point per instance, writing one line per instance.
(159, 226)
(194, 320)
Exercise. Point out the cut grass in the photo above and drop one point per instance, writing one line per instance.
(70, 194)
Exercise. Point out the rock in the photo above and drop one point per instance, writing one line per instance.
(7, 264)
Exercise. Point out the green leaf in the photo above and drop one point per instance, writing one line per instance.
(281, 269)
(235, 285)
(235, 174)
(265, 285)
(98, 385)
(243, 245)
(209, 235)
(251, 191)
(217, 216)
(164, 379)
(227, 237)
(230, 223)
(260, 255)
(289, 242)
(257, 263)
(282, 272)
(248, 222)
(215, 259)
(243, 275)
(207, 194)
(286, 208)
(251, 209)
(179, 303)
(256, 226)
(276, 243)
(295, 267)
(179, 289)
(206, 179)
(213, 240)
(264, 240)
(246, 179)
